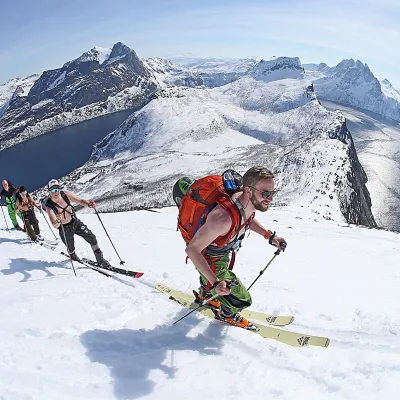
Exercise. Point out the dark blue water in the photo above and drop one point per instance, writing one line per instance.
(55, 154)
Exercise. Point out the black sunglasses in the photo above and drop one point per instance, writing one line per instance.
(265, 193)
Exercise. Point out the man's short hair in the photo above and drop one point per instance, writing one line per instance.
(256, 174)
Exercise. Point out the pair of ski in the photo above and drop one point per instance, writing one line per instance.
(51, 245)
(270, 332)
(102, 269)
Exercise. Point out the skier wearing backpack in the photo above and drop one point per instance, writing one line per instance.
(25, 204)
(63, 217)
(8, 192)
(214, 215)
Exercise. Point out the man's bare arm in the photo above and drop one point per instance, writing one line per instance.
(276, 241)
(86, 203)
(54, 219)
(35, 204)
(256, 226)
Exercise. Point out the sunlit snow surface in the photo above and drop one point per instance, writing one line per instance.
(96, 338)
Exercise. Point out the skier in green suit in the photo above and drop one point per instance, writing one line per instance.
(8, 192)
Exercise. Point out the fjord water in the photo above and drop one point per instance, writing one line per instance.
(55, 154)
(377, 141)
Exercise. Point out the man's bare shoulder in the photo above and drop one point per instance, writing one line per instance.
(71, 196)
(220, 216)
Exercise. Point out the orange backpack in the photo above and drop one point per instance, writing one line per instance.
(202, 196)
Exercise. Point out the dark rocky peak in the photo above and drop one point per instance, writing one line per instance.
(120, 50)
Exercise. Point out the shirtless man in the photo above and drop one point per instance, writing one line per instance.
(212, 260)
(25, 204)
(63, 217)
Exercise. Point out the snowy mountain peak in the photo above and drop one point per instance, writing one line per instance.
(354, 68)
(103, 54)
(352, 82)
(114, 78)
(99, 54)
(277, 68)
(346, 64)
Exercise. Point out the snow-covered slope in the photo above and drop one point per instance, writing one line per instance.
(353, 83)
(186, 131)
(92, 337)
(166, 73)
(15, 87)
(215, 65)
(99, 82)
(192, 72)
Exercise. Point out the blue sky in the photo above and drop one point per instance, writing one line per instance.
(44, 34)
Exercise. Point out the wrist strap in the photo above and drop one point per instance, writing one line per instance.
(270, 236)
(216, 283)
(267, 235)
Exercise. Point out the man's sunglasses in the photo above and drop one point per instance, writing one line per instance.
(265, 193)
(55, 190)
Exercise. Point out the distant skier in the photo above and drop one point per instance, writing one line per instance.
(214, 214)
(8, 192)
(25, 204)
(60, 211)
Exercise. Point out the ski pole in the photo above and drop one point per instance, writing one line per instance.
(4, 217)
(233, 282)
(283, 245)
(66, 244)
(41, 212)
(121, 262)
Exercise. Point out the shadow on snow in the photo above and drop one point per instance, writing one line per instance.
(131, 355)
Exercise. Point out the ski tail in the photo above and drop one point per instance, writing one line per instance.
(126, 272)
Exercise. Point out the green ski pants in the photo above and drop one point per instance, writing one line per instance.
(11, 211)
(239, 298)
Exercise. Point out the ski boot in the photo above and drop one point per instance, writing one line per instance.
(101, 261)
(203, 295)
(74, 257)
(235, 319)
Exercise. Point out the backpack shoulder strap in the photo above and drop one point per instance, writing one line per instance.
(65, 197)
(68, 201)
(48, 202)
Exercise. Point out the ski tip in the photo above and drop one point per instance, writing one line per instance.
(139, 274)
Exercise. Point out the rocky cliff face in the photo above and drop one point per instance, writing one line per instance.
(356, 205)
(96, 83)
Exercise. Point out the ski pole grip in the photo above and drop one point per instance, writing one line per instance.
(283, 245)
